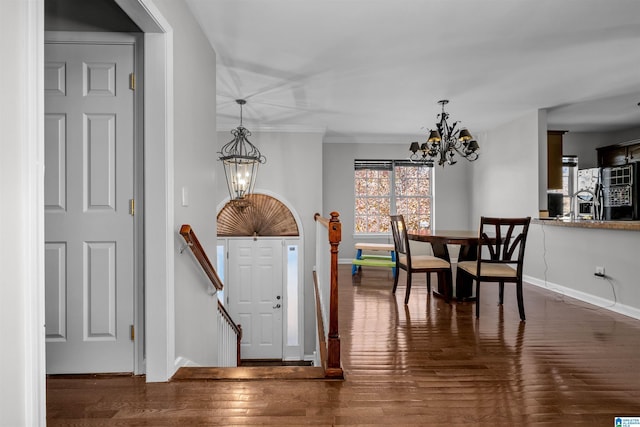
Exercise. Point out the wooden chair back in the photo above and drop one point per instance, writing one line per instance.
(400, 236)
(503, 241)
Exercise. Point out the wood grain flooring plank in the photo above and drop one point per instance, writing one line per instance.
(428, 363)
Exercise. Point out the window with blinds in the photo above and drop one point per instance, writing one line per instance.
(385, 187)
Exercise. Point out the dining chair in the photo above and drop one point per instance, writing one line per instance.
(501, 245)
(416, 263)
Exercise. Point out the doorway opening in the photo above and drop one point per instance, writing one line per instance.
(261, 262)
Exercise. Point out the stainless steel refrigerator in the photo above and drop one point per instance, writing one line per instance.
(621, 192)
(587, 194)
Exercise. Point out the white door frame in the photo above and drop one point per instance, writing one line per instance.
(26, 21)
(158, 188)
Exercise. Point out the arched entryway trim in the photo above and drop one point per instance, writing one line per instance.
(263, 215)
(277, 197)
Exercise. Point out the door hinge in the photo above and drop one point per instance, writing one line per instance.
(133, 332)
(132, 81)
(132, 207)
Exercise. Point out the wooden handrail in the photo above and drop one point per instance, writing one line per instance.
(322, 220)
(333, 225)
(201, 256)
(196, 248)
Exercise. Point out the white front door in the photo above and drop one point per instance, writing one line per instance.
(255, 295)
(89, 167)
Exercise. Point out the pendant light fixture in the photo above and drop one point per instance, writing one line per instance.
(444, 143)
(240, 159)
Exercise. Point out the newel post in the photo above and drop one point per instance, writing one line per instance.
(333, 362)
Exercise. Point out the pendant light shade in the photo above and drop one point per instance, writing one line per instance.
(241, 160)
(434, 136)
(465, 135)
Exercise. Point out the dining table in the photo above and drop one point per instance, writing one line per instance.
(439, 240)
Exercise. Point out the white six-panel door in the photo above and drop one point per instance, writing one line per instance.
(89, 170)
(255, 293)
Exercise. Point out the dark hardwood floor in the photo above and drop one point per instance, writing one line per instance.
(428, 363)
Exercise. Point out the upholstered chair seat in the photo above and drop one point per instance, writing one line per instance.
(488, 269)
(425, 261)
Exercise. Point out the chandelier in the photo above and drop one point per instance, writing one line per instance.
(444, 143)
(241, 160)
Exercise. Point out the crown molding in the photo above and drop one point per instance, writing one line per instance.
(278, 129)
(373, 139)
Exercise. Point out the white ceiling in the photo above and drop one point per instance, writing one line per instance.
(367, 68)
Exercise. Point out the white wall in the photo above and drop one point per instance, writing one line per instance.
(22, 371)
(293, 173)
(453, 193)
(583, 145)
(624, 136)
(195, 139)
(563, 259)
(505, 180)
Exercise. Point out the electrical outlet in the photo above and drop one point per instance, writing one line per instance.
(599, 271)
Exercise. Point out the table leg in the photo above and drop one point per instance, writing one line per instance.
(464, 284)
(441, 251)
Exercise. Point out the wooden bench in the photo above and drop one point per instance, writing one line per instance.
(374, 260)
(378, 261)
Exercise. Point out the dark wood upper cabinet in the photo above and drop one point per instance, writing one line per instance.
(619, 154)
(634, 152)
(554, 159)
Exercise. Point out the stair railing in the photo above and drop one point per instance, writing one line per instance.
(229, 333)
(229, 337)
(326, 292)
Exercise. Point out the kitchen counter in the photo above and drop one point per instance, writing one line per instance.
(589, 223)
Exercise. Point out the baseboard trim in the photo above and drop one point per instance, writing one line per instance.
(183, 362)
(585, 297)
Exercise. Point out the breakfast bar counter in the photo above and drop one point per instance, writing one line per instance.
(589, 223)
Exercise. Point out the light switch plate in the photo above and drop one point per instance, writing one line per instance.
(185, 196)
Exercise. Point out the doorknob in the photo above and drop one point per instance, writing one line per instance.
(277, 306)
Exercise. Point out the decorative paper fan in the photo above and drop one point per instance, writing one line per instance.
(264, 216)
